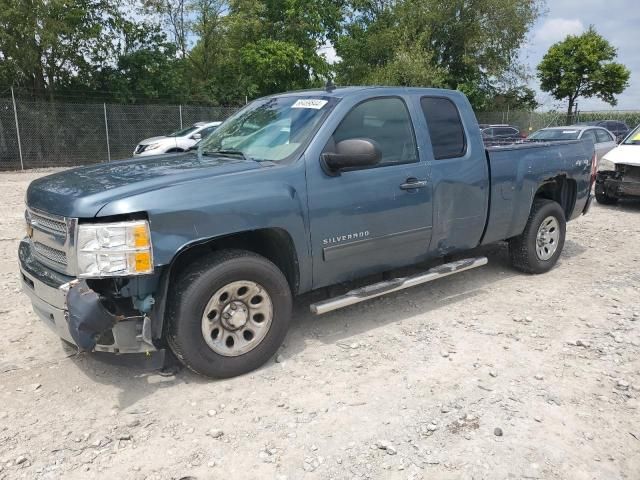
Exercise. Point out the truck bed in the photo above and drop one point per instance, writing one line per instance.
(517, 171)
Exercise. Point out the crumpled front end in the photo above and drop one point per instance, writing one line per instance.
(621, 183)
(80, 315)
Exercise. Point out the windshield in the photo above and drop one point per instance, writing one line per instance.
(183, 132)
(273, 129)
(633, 138)
(555, 134)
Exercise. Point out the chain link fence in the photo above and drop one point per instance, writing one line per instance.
(35, 134)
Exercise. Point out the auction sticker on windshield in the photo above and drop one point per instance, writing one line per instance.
(310, 103)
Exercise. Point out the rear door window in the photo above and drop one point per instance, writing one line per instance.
(507, 131)
(603, 136)
(448, 139)
(590, 135)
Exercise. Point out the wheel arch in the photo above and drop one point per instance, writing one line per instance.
(275, 244)
(560, 189)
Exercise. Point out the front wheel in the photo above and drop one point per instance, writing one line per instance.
(539, 246)
(229, 313)
(603, 198)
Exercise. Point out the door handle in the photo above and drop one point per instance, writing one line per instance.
(413, 183)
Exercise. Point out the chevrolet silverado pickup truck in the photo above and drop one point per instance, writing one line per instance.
(202, 252)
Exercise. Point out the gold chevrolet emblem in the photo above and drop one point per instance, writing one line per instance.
(29, 230)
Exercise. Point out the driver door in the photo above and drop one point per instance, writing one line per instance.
(371, 219)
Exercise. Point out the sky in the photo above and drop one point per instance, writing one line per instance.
(616, 20)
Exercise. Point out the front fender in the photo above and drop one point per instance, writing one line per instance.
(189, 213)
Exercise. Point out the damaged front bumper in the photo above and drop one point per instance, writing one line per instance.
(623, 182)
(79, 316)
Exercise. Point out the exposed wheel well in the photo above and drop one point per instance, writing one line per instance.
(175, 150)
(274, 244)
(562, 190)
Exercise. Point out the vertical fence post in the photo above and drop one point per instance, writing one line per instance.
(180, 117)
(106, 130)
(15, 115)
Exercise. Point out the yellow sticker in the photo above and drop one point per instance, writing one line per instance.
(636, 137)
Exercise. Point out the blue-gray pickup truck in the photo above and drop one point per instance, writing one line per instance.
(202, 252)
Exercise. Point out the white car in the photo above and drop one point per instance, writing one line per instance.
(602, 139)
(179, 141)
(619, 171)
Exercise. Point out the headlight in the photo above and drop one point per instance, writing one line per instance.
(114, 249)
(152, 146)
(606, 165)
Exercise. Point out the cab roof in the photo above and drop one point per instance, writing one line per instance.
(341, 92)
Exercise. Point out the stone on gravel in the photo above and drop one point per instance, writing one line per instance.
(215, 433)
(386, 446)
(622, 385)
(497, 432)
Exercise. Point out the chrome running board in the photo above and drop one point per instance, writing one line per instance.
(382, 288)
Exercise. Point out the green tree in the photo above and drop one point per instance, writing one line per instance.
(45, 45)
(583, 66)
(257, 47)
(144, 66)
(466, 45)
(174, 15)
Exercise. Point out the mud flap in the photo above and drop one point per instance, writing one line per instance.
(87, 316)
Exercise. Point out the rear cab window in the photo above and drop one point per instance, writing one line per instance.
(448, 139)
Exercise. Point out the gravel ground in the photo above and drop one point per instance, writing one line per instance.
(486, 374)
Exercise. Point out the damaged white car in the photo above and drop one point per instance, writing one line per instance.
(619, 171)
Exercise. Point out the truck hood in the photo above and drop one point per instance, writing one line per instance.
(82, 192)
(627, 154)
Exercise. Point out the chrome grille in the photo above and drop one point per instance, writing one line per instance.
(49, 223)
(51, 254)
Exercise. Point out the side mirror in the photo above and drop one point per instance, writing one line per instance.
(351, 153)
(196, 136)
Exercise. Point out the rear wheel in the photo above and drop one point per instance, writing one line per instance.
(229, 313)
(539, 246)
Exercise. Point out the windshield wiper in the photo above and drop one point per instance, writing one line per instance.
(225, 152)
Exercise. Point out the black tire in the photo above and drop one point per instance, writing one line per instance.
(193, 290)
(522, 249)
(602, 197)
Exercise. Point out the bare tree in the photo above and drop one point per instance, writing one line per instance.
(173, 14)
